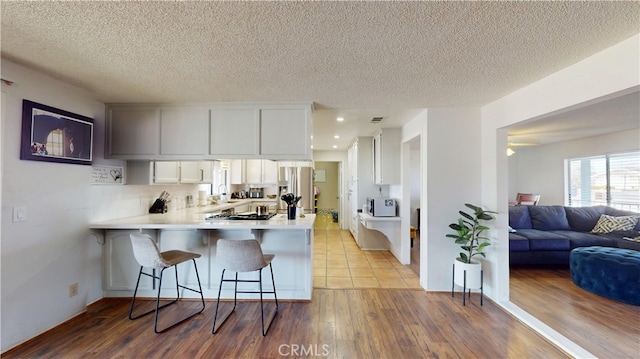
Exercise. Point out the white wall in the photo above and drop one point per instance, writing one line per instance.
(452, 172)
(540, 169)
(42, 256)
(450, 175)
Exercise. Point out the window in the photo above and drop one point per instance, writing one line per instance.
(611, 180)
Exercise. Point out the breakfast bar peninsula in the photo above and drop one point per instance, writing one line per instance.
(196, 230)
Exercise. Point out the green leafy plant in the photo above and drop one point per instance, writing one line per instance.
(469, 232)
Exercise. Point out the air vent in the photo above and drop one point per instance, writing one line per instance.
(376, 119)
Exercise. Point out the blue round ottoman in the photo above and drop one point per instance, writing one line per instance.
(610, 272)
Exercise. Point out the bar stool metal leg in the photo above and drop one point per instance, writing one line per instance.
(244, 256)
(264, 332)
(235, 301)
(157, 308)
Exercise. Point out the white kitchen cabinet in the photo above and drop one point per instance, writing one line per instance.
(184, 130)
(359, 158)
(210, 130)
(196, 171)
(253, 171)
(285, 132)
(386, 156)
(269, 172)
(261, 172)
(234, 131)
(237, 171)
(166, 172)
(132, 132)
(177, 172)
(169, 172)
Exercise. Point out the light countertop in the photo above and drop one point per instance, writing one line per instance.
(194, 218)
(367, 217)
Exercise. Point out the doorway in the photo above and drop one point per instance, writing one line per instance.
(327, 188)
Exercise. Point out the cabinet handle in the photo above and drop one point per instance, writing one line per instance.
(201, 175)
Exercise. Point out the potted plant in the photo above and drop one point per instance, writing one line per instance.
(468, 234)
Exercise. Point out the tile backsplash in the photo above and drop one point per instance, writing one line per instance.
(111, 202)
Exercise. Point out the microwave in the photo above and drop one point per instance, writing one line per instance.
(383, 207)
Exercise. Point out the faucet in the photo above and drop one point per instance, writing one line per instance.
(223, 195)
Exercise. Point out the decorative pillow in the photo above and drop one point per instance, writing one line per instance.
(608, 224)
(549, 218)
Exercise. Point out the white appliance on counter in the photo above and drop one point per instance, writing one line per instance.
(383, 207)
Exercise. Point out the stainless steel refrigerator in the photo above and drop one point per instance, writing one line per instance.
(299, 181)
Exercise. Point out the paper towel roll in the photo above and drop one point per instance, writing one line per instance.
(202, 195)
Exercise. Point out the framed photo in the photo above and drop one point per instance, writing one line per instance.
(54, 135)
(320, 176)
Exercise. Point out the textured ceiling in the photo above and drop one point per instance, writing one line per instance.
(354, 59)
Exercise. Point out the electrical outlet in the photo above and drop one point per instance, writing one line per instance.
(73, 290)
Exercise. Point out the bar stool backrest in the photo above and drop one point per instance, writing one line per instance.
(240, 255)
(146, 251)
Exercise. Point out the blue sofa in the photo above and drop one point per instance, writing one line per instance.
(545, 235)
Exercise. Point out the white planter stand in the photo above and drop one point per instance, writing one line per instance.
(468, 276)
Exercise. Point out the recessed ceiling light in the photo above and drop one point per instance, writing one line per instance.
(340, 119)
(336, 136)
(334, 146)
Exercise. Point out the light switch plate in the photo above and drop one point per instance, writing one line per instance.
(19, 214)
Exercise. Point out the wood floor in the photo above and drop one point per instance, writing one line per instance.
(604, 327)
(337, 323)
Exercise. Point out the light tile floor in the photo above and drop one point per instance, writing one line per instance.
(338, 262)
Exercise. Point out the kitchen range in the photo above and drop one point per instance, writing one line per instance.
(239, 216)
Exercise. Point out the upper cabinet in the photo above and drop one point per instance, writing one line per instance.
(285, 133)
(209, 131)
(169, 172)
(253, 172)
(237, 171)
(234, 131)
(196, 171)
(133, 132)
(184, 131)
(386, 156)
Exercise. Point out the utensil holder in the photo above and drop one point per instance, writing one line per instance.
(291, 212)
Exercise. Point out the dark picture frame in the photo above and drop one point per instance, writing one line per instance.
(53, 135)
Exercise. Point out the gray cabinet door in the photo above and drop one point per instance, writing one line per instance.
(234, 132)
(184, 131)
(285, 131)
(132, 132)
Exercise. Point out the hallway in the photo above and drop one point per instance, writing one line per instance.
(338, 262)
